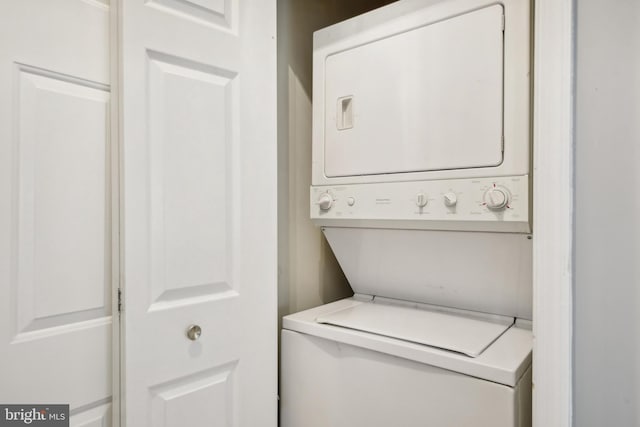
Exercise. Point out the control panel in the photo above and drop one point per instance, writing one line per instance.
(482, 204)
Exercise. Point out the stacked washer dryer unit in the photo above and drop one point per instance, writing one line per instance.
(421, 184)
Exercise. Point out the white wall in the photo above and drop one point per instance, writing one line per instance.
(308, 272)
(607, 239)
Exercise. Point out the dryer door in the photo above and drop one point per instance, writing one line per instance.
(426, 99)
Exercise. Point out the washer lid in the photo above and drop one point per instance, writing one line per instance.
(465, 333)
(479, 272)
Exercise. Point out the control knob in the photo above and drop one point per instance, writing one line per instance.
(496, 198)
(325, 201)
(421, 200)
(450, 199)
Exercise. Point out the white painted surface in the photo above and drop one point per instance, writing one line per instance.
(99, 416)
(553, 213)
(59, 272)
(199, 214)
(360, 387)
(606, 366)
(373, 154)
(468, 334)
(114, 415)
(485, 272)
(55, 205)
(407, 114)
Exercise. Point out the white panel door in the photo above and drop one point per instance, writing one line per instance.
(199, 212)
(55, 206)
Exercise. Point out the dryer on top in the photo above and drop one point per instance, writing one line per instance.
(434, 103)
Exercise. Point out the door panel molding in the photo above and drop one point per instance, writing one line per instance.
(199, 213)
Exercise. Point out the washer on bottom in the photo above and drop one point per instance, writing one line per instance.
(337, 376)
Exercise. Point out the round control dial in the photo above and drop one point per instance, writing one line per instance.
(325, 201)
(496, 198)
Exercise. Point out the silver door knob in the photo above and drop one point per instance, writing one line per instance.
(194, 332)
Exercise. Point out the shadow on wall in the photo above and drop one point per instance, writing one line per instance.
(308, 274)
(301, 18)
(329, 275)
